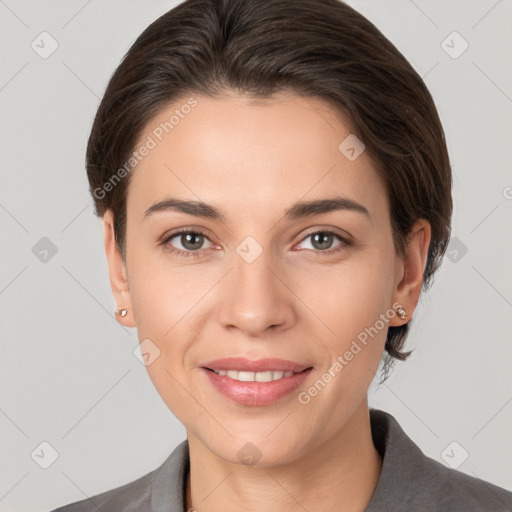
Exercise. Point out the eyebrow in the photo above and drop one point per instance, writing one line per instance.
(299, 210)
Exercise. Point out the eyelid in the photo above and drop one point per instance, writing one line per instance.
(185, 229)
(345, 235)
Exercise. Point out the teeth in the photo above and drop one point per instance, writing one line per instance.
(253, 376)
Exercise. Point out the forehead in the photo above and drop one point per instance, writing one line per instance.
(251, 155)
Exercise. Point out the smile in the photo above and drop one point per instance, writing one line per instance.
(255, 383)
(267, 376)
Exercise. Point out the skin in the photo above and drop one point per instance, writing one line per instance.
(253, 160)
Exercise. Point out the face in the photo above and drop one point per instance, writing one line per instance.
(296, 294)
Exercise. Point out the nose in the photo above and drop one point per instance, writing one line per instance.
(255, 298)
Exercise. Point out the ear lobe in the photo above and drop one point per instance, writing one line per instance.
(408, 290)
(117, 271)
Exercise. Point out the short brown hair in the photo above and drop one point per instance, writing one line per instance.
(315, 48)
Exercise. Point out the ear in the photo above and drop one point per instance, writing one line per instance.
(117, 271)
(412, 267)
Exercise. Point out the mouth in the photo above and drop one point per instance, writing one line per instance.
(255, 383)
(244, 376)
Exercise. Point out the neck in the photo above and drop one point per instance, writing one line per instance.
(341, 475)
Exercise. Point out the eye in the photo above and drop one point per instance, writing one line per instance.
(191, 242)
(322, 241)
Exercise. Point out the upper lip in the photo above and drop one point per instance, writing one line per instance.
(242, 364)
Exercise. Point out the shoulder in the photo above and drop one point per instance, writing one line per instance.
(129, 497)
(449, 489)
(410, 480)
(161, 488)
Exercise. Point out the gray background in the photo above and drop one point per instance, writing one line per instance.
(68, 373)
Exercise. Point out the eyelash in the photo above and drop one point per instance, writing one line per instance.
(197, 254)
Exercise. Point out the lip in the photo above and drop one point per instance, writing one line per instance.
(255, 394)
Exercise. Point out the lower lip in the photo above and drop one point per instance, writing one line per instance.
(256, 393)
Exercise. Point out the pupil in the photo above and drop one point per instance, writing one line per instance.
(323, 237)
(187, 237)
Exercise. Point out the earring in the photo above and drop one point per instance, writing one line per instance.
(121, 312)
(401, 312)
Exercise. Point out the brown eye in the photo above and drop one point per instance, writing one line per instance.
(186, 243)
(191, 241)
(322, 242)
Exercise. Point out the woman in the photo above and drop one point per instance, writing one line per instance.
(275, 190)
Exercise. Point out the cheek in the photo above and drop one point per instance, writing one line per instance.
(173, 387)
(352, 303)
(350, 296)
(167, 308)
(350, 300)
(163, 296)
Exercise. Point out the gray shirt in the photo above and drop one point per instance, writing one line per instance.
(409, 482)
